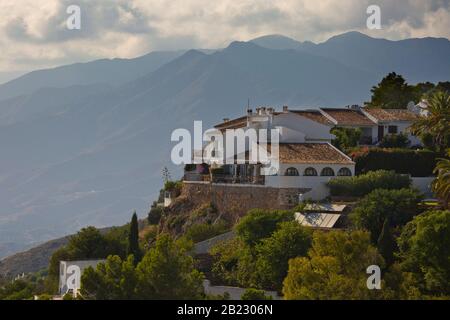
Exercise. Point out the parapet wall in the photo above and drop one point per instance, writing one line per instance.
(234, 200)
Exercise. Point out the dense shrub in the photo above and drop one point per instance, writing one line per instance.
(397, 207)
(417, 163)
(346, 137)
(259, 224)
(395, 141)
(155, 214)
(203, 231)
(361, 185)
(255, 294)
(173, 185)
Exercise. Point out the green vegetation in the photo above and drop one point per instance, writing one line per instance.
(165, 272)
(395, 141)
(358, 186)
(259, 224)
(255, 294)
(203, 231)
(425, 251)
(260, 261)
(417, 163)
(435, 125)
(396, 206)
(133, 240)
(155, 214)
(335, 268)
(346, 137)
(441, 185)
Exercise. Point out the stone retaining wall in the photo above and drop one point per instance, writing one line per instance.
(235, 200)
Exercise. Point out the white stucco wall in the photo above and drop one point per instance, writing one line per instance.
(317, 184)
(313, 130)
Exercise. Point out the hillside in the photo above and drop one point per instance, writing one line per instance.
(90, 154)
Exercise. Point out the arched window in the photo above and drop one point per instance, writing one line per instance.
(291, 172)
(327, 172)
(344, 172)
(310, 172)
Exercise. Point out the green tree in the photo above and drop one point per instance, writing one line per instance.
(391, 93)
(425, 250)
(398, 206)
(386, 243)
(259, 224)
(441, 185)
(290, 240)
(167, 272)
(437, 121)
(255, 294)
(113, 280)
(334, 269)
(346, 137)
(133, 240)
(17, 290)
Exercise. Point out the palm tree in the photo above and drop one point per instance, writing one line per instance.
(437, 122)
(441, 185)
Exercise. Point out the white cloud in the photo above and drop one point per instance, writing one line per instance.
(33, 33)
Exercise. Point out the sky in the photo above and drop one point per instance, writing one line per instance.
(34, 33)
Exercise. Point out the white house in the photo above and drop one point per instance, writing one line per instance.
(307, 160)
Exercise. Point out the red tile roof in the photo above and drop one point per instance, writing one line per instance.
(314, 153)
(348, 117)
(313, 115)
(391, 114)
(232, 124)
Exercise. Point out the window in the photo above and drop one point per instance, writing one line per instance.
(344, 172)
(393, 129)
(291, 172)
(327, 172)
(310, 172)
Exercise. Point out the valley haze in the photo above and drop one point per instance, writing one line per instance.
(85, 144)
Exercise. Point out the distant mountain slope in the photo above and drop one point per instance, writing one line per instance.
(32, 260)
(90, 154)
(418, 60)
(104, 71)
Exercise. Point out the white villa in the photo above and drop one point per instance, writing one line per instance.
(307, 160)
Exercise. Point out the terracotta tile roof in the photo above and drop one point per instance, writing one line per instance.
(311, 153)
(232, 124)
(348, 117)
(313, 115)
(391, 114)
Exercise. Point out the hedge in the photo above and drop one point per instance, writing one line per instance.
(417, 163)
(359, 186)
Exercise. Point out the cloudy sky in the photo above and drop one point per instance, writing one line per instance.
(33, 33)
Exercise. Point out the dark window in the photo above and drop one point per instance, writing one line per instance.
(291, 172)
(327, 172)
(310, 172)
(393, 129)
(344, 172)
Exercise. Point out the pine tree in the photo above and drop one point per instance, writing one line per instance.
(386, 243)
(133, 239)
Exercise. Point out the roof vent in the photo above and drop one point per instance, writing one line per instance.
(226, 119)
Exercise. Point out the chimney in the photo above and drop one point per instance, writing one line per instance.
(226, 119)
(285, 108)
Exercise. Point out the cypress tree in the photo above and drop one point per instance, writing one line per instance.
(133, 239)
(386, 243)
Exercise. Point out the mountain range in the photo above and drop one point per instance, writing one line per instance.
(85, 144)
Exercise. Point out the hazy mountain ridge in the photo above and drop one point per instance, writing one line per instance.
(89, 154)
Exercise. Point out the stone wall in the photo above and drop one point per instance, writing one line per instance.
(235, 200)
